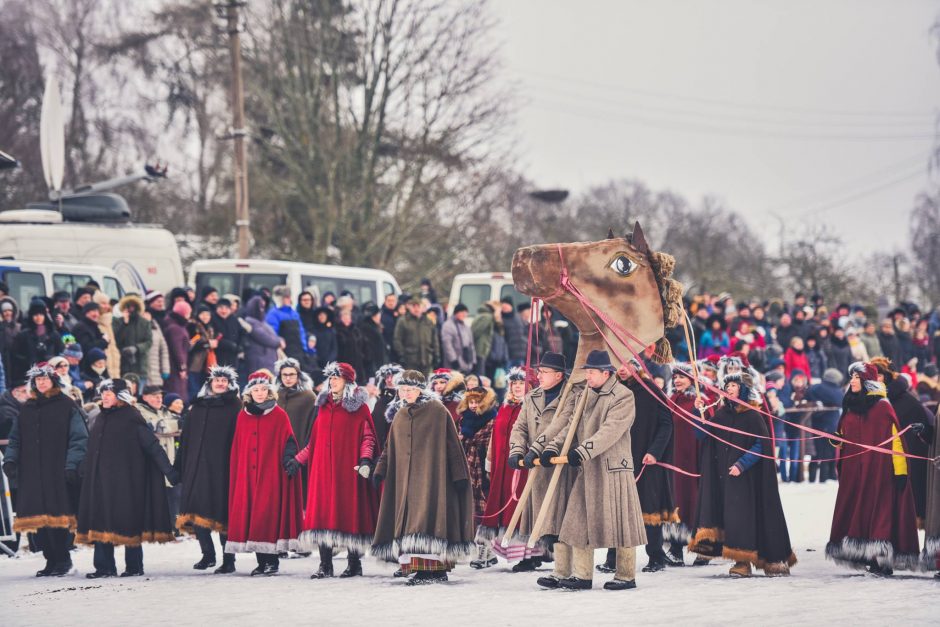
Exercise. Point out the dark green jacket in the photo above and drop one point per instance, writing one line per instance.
(417, 343)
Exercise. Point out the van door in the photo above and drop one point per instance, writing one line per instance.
(24, 286)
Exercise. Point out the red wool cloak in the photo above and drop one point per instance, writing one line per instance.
(342, 507)
(264, 511)
(872, 520)
(686, 449)
(494, 522)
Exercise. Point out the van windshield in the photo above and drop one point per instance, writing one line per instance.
(238, 283)
(473, 295)
(362, 291)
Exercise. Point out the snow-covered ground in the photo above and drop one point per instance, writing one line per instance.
(818, 592)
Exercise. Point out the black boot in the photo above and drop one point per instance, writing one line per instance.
(673, 558)
(101, 574)
(619, 584)
(136, 572)
(353, 567)
(573, 583)
(228, 565)
(550, 582)
(426, 577)
(610, 564)
(813, 469)
(399, 573)
(205, 563)
(527, 565)
(654, 566)
(47, 571)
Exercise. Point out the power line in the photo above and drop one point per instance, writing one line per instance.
(635, 120)
(725, 103)
(867, 192)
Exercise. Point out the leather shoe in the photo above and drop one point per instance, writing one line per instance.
(204, 563)
(573, 583)
(133, 573)
(101, 574)
(619, 584)
(550, 582)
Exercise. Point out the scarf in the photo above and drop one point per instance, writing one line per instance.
(860, 402)
(472, 422)
(258, 409)
(552, 394)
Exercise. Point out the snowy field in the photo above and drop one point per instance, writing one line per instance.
(817, 593)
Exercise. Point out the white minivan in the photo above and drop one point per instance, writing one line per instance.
(234, 276)
(29, 279)
(476, 288)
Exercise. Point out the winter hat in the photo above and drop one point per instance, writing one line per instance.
(476, 394)
(95, 354)
(440, 374)
(833, 376)
(101, 298)
(459, 308)
(119, 387)
(883, 367)
(744, 381)
(43, 368)
(387, 370)
(411, 378)
(775, 363)
(304, 382)
(507, 300)
(151, 388)
(797, 372)
(36, 307)
(171, 398)
(203, 308)
(58, 360)
(183, 309)
(225, 372)
(152, 295)
(90, 306)
(61, 297)
(340, 369)
(930, 370)
(6, 306)
(516, 374)
(370, 309)
(73, 350)
(774, 377)
(260, 377)
(868, 373)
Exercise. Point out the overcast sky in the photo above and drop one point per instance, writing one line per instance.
(808, 109)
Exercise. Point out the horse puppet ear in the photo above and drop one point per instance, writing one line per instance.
(638, 239)
(610, 233)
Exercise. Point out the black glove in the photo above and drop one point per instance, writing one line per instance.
(514, 460)
(128, 351)
(530, 457)
(174, 477)
(72, 478)
(9, 469)
(574, 458)
(291, 466)
(377, 480)
(546, 457)
(461, 484)
(900, 481)
(918, 428)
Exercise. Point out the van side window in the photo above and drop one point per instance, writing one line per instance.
(112, 288)
(362, 291)
(387, 288)
(474, 295)
(69, 282)
(24, 286)
(511, 291)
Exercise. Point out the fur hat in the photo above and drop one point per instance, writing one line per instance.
(387, 370)
(119, 387)
(441, 373)
(411, 378)
(484, 397)
(42, 369)
(745, 383)
(833, 376)
(304, 382)
(516, 374)
(226, 372)
(260, 377)
(868, 373)
(340, 369)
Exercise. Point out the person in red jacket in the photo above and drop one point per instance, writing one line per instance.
(265, 496)
(342, 504)
(795, 358)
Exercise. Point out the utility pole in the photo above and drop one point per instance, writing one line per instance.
(229, 11)
(896, 261)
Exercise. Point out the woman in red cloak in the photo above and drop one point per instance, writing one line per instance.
(499, 503)
(342, 504)
(874, 525)
(265, 497)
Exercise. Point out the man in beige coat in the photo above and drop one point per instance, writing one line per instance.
(539, 410)
(603, 507)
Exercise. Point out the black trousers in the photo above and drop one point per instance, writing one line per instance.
(204, 535)
(104, 558)
(55, 542)
(654, 543)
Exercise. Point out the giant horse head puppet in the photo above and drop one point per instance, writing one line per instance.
(618, 278)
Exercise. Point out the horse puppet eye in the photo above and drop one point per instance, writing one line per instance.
(623, 265)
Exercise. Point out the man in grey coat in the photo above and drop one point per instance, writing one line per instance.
(603, 506)
(457, 341)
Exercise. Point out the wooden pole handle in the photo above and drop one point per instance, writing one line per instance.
(563, 459)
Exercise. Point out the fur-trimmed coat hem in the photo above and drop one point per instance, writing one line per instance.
(423, 544)
(661, 518)
(187, 523)
(29, 524)
(859, 552)
(311, 539)
(252, 546)
(108, 537)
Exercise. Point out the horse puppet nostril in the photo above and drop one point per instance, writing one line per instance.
(531, 267)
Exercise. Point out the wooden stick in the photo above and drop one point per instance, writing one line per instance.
(554, 461)
(692, 355)
(523, 498)
(556, 475)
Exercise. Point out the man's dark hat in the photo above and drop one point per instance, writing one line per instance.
(555, 361)
(598, 360)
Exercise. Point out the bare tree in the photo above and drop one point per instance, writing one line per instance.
(925, 245)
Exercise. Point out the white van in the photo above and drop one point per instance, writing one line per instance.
(144, 256)
(474, 289)
(28, 279)
(234, 276)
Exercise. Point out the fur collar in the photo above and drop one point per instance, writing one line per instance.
(397, 404)
(354, 397)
